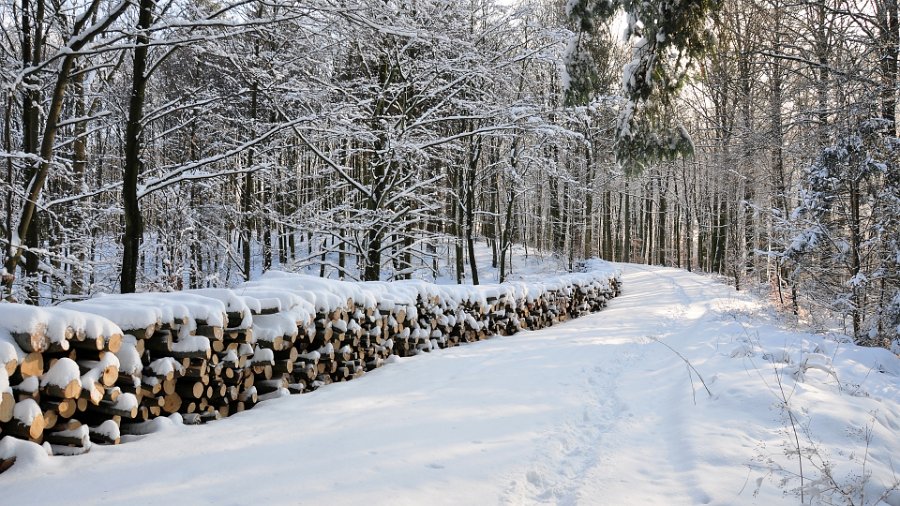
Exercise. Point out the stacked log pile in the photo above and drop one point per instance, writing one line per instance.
(84, 373)
(59, 374)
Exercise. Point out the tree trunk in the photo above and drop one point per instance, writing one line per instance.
(471, 175)
(661, 220)
(890, 45)
(608, 246)
(134, 226)
(858, 290)
(32, 54)
(79, 164)
(626, 242)
(48, 139)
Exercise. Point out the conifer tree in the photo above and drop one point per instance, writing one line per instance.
(666, 37)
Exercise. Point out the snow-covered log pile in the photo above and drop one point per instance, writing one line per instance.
(83, 373)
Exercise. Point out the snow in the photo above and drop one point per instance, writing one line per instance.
(127, 314)
(21, 318)
(29, 385)
(59, 323)
(210, 310)
(325, 295)
(189, 344)
(81, 432)
(140, 310)
(90, 325)
(109, 428)
(599, 410)
(125, 402)
(26, 410)
(108, 360)
(53, 322)
(8, 348)
(90, 382)
(63, 372)
(165, 366)
(263, 297)
(270, 327)
(230, 357)
(159, 424)
(29, 456)
(129, 358)
(233, 303)
(263, 356)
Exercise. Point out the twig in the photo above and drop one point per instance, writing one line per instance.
(689, 364)
(787, 407)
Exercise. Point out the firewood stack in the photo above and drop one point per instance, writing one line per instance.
(58, 375)
(84, 373)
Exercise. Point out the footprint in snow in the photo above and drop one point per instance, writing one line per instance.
(534, 478)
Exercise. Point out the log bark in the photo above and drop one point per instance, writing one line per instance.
(72, 390)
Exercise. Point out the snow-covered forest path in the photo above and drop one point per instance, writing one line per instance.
(624, 435)
(593, 411)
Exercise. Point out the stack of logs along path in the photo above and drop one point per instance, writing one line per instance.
(87, 372)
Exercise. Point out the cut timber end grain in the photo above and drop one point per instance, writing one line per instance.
(7, 403)
(11, 366)
(36, 340)
(50, 418)
(33, 365)
(92, 392)
(168, 386)
(110, 375)
(171, 403)
(66, 407)
(27, 421)
(190, 389)
(141, 334)
(112, 394)
(33, 432)
(210, 332)
(71, 391)
(113, 343)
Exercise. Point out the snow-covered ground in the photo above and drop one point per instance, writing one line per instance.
(599, 410)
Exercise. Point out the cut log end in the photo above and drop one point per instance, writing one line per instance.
(7, 403)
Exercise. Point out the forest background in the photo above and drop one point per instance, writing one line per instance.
(169, 144)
